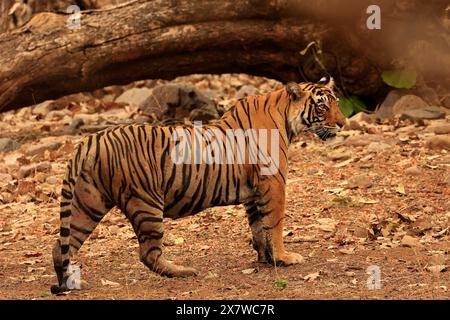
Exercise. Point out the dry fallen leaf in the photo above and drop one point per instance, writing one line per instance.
(109, 283)
(400, 189)
(311, 277)
(249, 271)
(179, 241)
(347, 251)
(437, 268)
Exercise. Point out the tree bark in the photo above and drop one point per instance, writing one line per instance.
(168, 38)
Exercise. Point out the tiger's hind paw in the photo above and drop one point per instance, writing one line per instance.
(289, 258)
(178, 271)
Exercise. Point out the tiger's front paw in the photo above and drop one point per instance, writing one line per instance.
(289, 258)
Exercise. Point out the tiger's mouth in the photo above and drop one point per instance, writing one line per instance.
(324, 133)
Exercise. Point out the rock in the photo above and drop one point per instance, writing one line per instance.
(385, 110)
(30, 169)
(428, 94)
(247, 90)
(57, 114)
(378, 147)
(6, 197)
(42, 147)
(7, 145)
(85, 118)
(339, 155)
(361, 181)
(407, 103)
(426, 113)
(134, 96)
(76, 123)
(408, 241)
(179, 101)
(442, 129)
(357, 141)
(51, 180)
(413, 171)
(43, 108)
(353, 125)
(446, 102)
(362, 117)
(438, 142)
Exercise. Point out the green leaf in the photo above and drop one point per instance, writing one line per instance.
(45, 294)
(281, 283)
(401, 79)
(351, 105)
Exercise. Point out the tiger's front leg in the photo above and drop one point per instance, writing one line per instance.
(266, 219)
(147, 221)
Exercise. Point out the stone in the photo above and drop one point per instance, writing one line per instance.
(361, 181)
(51, 180)
(438, 142)
(385, 110)
(446, 102)
(246, 90)
(378, 147)
(353, 125)
(410, 242)
(413, 171)
(7, 145)
(178, 101)
(362, 117)
(428, 94)
(43, 108)
(134, 96)
(30, 169)
(407, 103)
(55, 115)
(339, 155)
(85, 118)
(425, 113)
(42, 147)
(357, 141)
(442, 129)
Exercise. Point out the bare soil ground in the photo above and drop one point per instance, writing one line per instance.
(352, 204)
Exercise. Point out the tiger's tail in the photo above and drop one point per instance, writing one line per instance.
(61, 249)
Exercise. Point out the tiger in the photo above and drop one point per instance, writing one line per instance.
(132, 167)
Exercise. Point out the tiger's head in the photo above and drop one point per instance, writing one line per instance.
(314, 107)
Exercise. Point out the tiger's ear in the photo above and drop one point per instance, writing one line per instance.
(294, 91)
(327, 81)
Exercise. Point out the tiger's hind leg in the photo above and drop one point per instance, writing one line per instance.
(266, 219)
(81, 211)
(147, 222)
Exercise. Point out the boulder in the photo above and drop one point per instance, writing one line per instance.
(408, 102)
(44, 108)
(134, 96)
(179, 101)
(385, 111)
(425, 113)
(442, 129)
(438, 142)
